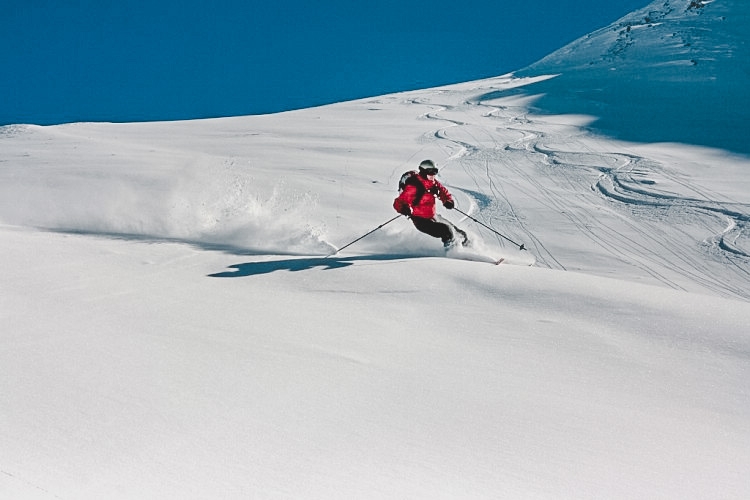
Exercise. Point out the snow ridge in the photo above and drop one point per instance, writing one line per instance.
(665, 73)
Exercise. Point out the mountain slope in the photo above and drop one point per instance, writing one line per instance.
(128, 371)
(170, 327)
(674, 71)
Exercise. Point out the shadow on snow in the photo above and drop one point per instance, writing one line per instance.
(300, 264)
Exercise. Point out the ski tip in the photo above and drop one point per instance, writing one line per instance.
(500, 261)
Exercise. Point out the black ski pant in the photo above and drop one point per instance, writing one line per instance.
(437, 227)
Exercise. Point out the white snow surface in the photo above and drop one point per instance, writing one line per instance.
(170, 325)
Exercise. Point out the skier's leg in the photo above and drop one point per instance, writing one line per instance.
(434, 228)
(455, 230)
(465, 240)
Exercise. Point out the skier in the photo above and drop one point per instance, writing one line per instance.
(417, 201)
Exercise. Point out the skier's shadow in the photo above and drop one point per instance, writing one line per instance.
(301, 264)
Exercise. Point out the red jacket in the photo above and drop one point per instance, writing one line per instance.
(424, 206)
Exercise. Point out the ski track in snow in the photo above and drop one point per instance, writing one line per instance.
(521, 174)
(502, 150)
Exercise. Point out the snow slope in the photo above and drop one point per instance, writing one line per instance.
(171, 328)
(673, 71)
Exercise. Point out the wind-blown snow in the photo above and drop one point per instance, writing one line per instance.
(170, 325)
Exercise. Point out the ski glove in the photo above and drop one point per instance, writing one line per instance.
(449, 205)
(405, 210)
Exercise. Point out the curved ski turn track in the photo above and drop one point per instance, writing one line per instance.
(621, 203)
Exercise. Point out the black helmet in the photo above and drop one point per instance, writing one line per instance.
(428, 167)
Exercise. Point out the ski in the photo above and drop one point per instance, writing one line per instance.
(463, 253)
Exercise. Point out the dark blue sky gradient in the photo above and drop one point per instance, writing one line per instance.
(99, 60)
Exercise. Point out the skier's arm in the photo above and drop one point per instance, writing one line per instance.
(445, 196)
(404, 202)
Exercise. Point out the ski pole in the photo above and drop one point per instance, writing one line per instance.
(520, 247)
(364, 235)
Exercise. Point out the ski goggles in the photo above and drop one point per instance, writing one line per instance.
(430, 170)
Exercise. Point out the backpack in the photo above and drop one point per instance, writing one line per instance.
(410, 178)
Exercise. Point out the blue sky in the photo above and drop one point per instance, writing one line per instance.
(107, 60)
